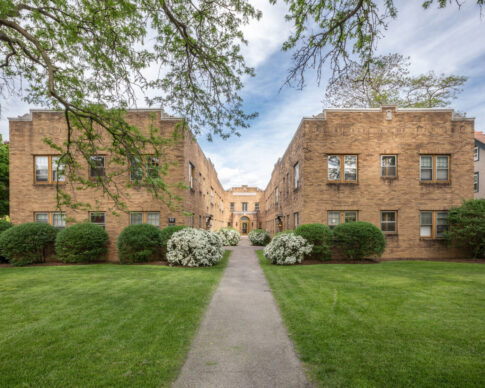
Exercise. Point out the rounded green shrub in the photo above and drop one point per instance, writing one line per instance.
(359, 240)
(138, 244)
(81, 243)
(320, 236)
(27, 243)
(4, 225)
(165, 235)
(259, 237)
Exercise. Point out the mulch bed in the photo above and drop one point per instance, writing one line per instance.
(377, 261)
(61, 264)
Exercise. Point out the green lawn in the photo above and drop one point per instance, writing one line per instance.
(99, 325)
(403, 323)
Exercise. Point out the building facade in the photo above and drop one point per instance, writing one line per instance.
(400, 169)
(33, 180)
(244, 208)
(479, 160)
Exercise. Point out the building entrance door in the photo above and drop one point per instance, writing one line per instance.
(244, 225)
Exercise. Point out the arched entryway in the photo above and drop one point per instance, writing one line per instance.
(244, 225)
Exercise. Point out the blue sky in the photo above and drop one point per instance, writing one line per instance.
(449, 41)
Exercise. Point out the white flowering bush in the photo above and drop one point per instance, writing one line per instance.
(259, 237)
(229, 236)
(287, 249)
(194, 248)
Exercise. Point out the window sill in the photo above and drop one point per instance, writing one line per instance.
(342, 183)
(49, 184)
(390, 234)
(435, 183)
(389, 178)
(432, 238)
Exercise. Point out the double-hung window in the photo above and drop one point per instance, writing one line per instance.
(57, 219)
(232, 206)
(98, 218)
(476, 154)
(296, 217)
(435, 168)
(48, 169)
(389, 221)
(97, 166)
(256, 207)
(388, 166)
(433, 224)
(336, 217)
(296, 174)
(191, 175)
(152, 218)
(244, 206)
(150, 164)
(342, 168)
(276, 196)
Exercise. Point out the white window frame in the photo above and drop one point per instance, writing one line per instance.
(476, 154)
(395, 165)
(102, 224)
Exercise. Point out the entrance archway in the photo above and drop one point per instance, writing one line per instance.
(244, 225)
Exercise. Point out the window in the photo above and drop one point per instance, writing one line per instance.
(151, 165)
(57, 219)
(276, 196)
(335, 163)
(433, 224)
(476, 182)
(296, 173)
(388, 166)
(232, 206)
(287, 184)
(336, 217)
(256, 207)
(212, 193)
(191, 176)
(296, 217)
(435, 168)
(48, 169)
(136, 218)
(389, 221)
(244, 206)
(98, 218)
(476, 154)
(96, 168)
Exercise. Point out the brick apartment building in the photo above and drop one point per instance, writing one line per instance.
(33, 181)
(399, 169)
(479, 160)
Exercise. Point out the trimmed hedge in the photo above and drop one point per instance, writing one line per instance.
(27, 243)
(81, 243)
(359, 240)
(165, 235)
(320, 236)
(4, 225)
(259, 237)
(138, 244)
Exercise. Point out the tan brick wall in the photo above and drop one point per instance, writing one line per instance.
(368, 134)
(281, 215)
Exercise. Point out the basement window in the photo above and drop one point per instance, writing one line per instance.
(433, 224)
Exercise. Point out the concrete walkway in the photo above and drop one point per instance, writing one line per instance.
(242, 341)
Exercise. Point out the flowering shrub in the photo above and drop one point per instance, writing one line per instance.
(287, 248)
(259, 237)
(194, 248)
(229, 236)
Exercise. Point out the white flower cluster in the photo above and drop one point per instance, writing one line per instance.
(229, 236)
(287, 248)
(194, 248)
(259, 237)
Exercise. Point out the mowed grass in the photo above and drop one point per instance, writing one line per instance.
(100, 325)
(393, 324)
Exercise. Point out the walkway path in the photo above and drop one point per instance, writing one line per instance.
(242, 341)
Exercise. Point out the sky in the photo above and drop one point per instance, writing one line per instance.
(449, 40)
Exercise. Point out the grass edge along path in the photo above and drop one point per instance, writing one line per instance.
(100, 325)
(400, 324)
